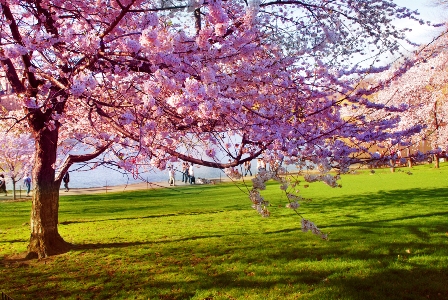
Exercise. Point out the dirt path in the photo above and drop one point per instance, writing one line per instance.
(21, 195)
(117, 188)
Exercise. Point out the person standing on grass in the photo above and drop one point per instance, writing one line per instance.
(66, 180)
(247, 166)
(171, 179)
(3, 185)
(185, 172)
(27, 182)
(261, 165)
(191, 174)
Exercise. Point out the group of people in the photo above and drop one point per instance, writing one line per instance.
(188, 171)
(187, 174)
(261, 166)
(27, 183)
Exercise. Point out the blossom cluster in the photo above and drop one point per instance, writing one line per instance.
(233, 173)
(331, 180)
(307, 225)
(261, 205)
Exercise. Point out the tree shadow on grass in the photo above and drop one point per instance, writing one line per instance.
(384, 278)
(393, 198)
(179, 214)
(394, 284)
(90, 246)
(383, 222)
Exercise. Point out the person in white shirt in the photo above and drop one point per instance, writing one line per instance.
(261, 165)
(191, 174)
(172, 179)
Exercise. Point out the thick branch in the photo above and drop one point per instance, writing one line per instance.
(117, 20)
(211, 164)
(237, 161)
(71, 159)
(12, 76)
(18, 38)
(197, 16)
(49, 22)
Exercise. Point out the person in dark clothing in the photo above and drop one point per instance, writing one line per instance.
(66, 180)
(3, 185)
(185, 177)
(27, 182)
(247, 168)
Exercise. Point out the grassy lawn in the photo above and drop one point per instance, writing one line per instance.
(388, 240)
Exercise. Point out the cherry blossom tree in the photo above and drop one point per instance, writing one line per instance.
(16, 156)
(214, 83)
(423, 89)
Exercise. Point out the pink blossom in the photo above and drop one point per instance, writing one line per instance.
(149, 19)
(220, 29)
(149, 37)
(51, 125)
(78, 89)
(30, 102)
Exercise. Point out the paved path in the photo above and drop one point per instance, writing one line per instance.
(21, 195)
(116, 188)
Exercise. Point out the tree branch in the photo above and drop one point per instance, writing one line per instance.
(71, 159)
(34, 83)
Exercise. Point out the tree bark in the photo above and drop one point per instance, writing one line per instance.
(410, 165)
(14, 188)
(392, 165)
(45, 239)
(436, 161)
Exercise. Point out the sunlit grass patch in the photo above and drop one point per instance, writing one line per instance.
(388, 234)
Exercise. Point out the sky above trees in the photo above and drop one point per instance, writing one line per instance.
(429, 11)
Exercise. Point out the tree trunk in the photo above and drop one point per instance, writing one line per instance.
(409, 158)
(45, 239)
(436, 161)
(392, 165)
(14, 189)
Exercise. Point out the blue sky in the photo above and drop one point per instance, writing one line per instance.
(428, 11)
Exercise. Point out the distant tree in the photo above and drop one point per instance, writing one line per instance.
(211, 83)
(423, 89)
(16, 156)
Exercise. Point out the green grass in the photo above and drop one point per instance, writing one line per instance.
(388, 240)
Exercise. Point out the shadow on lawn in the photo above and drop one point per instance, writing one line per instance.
(327, 267)
(425, 202)
(179, 214)
(381, 222)
(88, 246)
(398, 284)
(394, 198)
